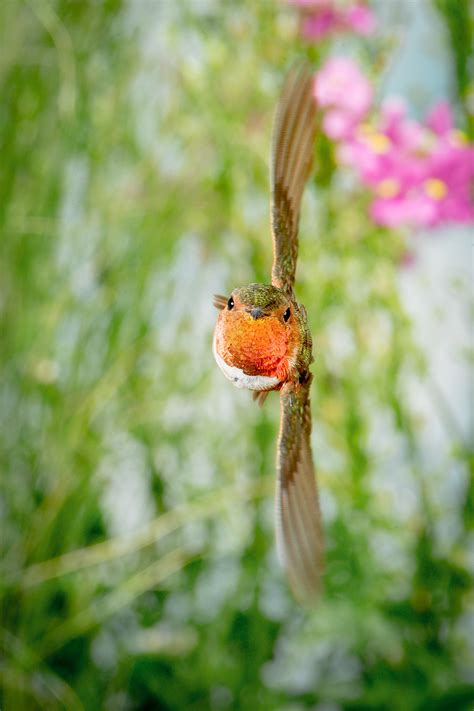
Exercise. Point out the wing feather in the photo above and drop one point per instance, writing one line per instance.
(293, 138)
(219, 301)
(299, 529)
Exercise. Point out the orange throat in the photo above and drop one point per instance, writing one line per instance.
(257, 347)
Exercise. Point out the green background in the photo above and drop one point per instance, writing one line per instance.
(138, 560)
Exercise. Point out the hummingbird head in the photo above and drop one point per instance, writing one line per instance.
(255, 333)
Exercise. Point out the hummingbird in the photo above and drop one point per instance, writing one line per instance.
(262, 340)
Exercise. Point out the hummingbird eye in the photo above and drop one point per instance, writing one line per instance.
(230, 303)
(287, 314)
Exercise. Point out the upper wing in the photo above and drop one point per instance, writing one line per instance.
(299, 530)
(292, 149)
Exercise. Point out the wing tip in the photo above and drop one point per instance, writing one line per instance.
(301, 557)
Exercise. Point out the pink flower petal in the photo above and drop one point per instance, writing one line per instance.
(340, 84)
(440, 119)
(404, 210)
(310, 4)
(338, 124)
(317, 26)
(361, 19)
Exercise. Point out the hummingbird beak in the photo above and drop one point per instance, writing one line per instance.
(256, 313)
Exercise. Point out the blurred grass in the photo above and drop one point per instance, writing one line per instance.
(136, 507)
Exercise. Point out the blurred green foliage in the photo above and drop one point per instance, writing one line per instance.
(138, 563)
(458, 16)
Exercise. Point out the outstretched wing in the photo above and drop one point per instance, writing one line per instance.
(292, 150)
(299, 529)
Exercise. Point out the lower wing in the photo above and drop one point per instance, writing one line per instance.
(299, 528)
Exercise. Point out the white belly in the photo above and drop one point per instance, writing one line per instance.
(241, 379)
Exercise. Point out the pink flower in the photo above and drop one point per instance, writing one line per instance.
(402, 210)
(319, 24)
(440, 119)
(346, 95)
(403, 133)
(421, 173)
(361, 19)
(389, 154)
(448, 183)
(321, 18)
(310, 4)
